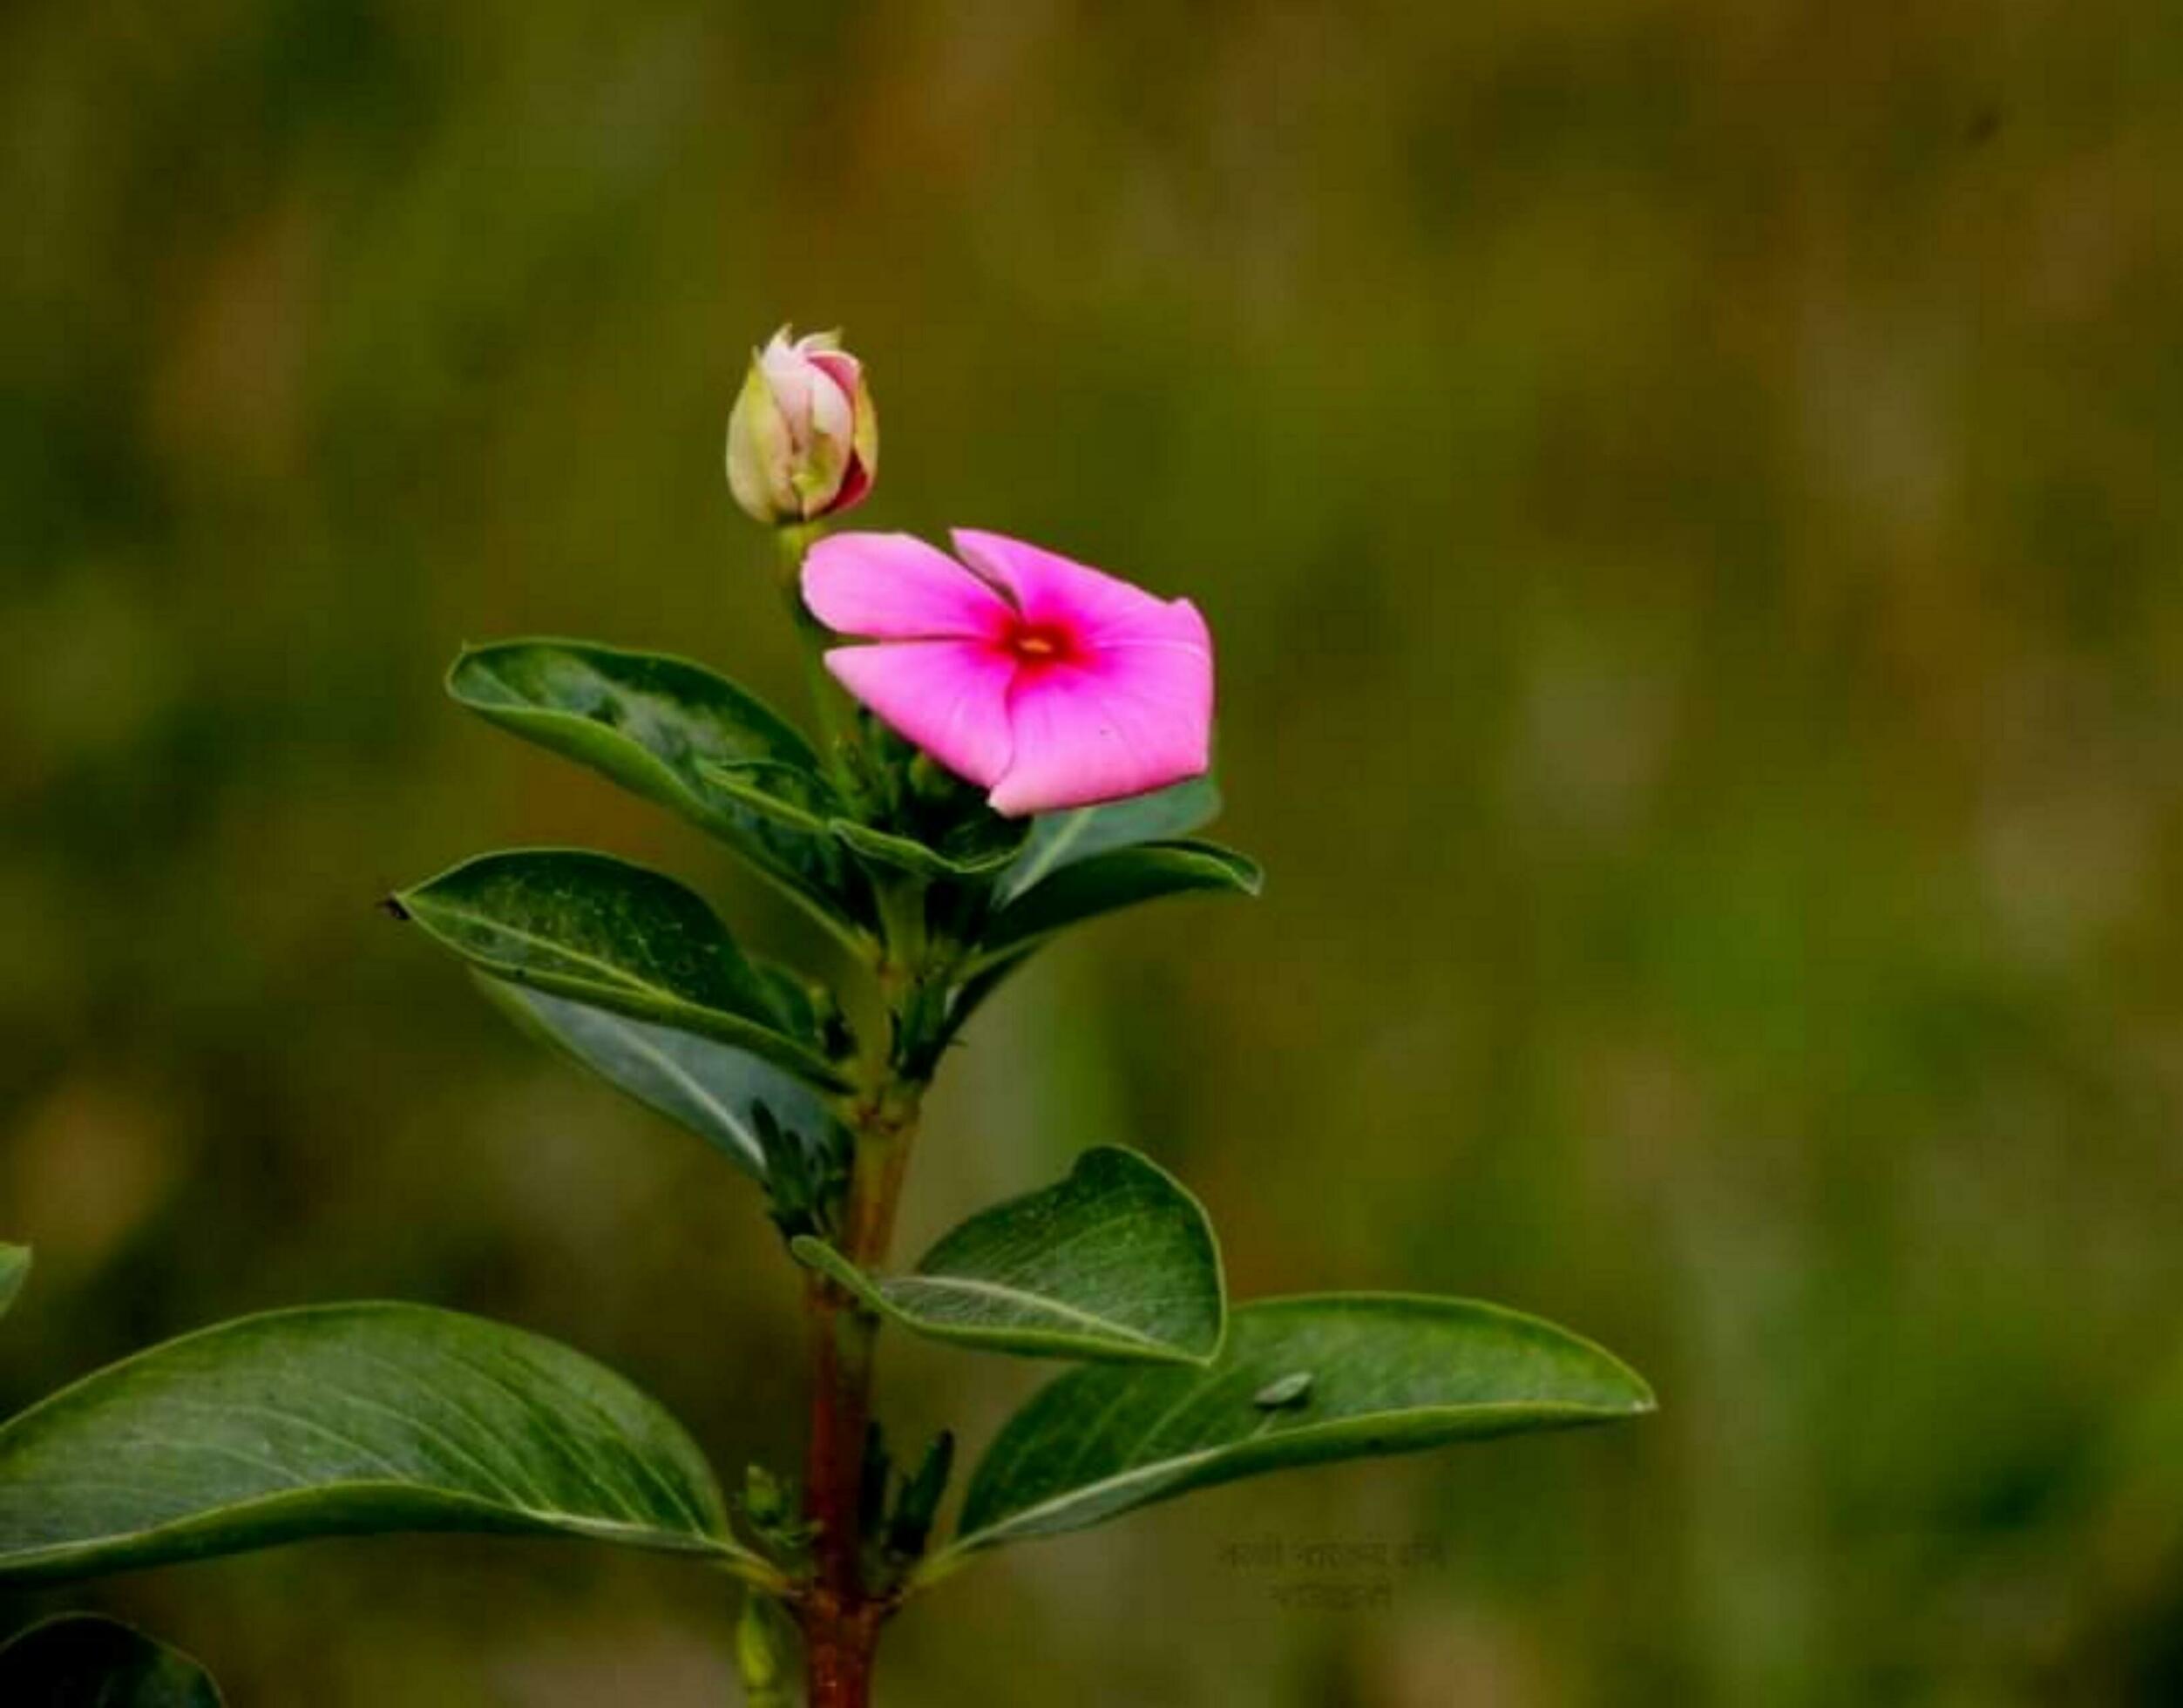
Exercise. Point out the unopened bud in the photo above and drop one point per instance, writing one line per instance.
(802, 441)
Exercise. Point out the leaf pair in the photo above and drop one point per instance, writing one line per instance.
(1117, 1266)
(372, 1418)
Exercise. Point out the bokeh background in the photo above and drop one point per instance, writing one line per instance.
(1687, 493)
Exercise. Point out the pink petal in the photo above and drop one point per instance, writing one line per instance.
(789, 376)
(1049, 588)
(893, 586)
(855, 483)
(1137, 716)
(948, 697)
(838, 366)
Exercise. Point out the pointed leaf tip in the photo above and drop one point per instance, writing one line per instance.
(1301, 1381)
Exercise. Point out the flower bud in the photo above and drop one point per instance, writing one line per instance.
(802, 441)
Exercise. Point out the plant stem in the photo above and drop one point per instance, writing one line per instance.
(841, 1614)
(836, 732)
(840, 1609)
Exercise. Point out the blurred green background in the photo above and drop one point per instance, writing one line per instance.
(1686, 493)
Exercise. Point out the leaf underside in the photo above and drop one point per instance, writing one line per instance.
(344, 1419)
(1117, 1262)
(79, 1660)
(1058, 839)
(1301, 1381)
(714, 1089)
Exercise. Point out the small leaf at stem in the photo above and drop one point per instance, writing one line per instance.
(1301, 1381)
(345, 1419)
(765, 1642)
(79, 1660)
(1117, 1262)
(910, 1526)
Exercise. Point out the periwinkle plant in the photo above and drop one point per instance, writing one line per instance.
(1023, 748)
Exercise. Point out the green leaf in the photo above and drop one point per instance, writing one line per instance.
(617, 936)
(1118, 1262)
(79, 1660)
(714, 1089)
(1105, 883)
(1062, 838)
(677, 734)
(894, 853)
(345, 1419)
(14, 1269)
(1301, 1381)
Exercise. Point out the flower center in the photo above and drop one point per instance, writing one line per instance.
(1042, 643)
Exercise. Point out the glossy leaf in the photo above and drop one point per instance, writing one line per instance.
(1301, 1381)
(1117, 1262)
(677, 734)
(714, 1089)
(1105, 882)
(15, 1269)
(79, 1660)
(619, 937)
(344, 1419)
(1062, 838)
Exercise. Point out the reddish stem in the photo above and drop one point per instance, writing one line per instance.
(841, 1614)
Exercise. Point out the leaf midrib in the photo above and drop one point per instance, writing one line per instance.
(614, 975)
(1040, 1301)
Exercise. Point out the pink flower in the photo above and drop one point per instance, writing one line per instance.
(1046, 682)
(803, 439)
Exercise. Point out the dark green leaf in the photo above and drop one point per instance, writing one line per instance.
(14, 1269)
(344, 1419)
(616, 936)
(1121, 877)
(1062, 838)
(677, 734)
(1117, 1262)
(1349, 1375)
(714, 1089)
(81, 1661)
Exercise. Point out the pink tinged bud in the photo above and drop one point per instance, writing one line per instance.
(802, 440)
(1045, 682)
